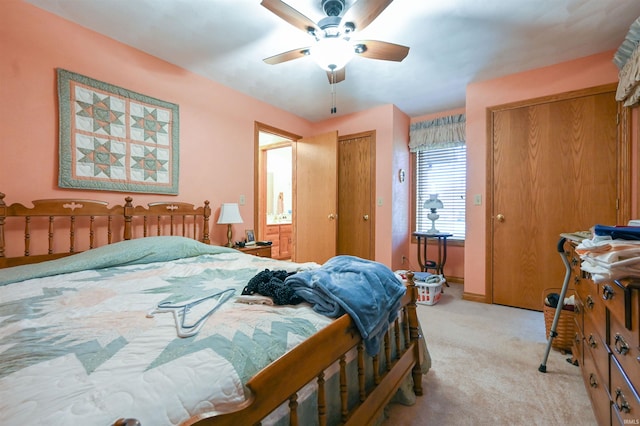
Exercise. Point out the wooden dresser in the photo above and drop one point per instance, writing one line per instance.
(607, 343)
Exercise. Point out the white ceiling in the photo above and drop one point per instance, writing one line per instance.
(453, 43)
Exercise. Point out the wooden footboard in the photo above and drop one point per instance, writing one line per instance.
(283, 379)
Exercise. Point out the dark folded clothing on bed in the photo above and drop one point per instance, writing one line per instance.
(271, 284)
(367, 290)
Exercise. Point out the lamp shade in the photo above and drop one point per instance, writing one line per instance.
(433, 202)
(229, 213)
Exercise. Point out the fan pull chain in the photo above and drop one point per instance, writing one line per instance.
(333, 91)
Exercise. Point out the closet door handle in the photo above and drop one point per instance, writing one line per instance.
(332, 216)
(365, 217)
(500, 218)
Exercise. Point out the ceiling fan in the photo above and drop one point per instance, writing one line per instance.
(333, 46)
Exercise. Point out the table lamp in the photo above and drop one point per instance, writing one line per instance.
(433, 203)
(229, 214)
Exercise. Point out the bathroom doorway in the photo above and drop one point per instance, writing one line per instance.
(274, 193)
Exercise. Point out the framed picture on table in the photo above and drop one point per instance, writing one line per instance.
(251, 237)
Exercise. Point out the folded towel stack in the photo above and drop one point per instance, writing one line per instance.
(607, 259)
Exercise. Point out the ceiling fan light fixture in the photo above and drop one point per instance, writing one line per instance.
(332, 7)
(332, 54)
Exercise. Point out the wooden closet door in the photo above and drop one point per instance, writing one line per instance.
(356, 177)
(554, 168)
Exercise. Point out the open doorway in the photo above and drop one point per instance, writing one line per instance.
(274, 189)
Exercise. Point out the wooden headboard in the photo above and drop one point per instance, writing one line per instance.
(55, 228)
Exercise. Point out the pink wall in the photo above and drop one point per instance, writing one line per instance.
(581, 73)
(401, 220)
(392, 137)
(216, 123)
(454, 267)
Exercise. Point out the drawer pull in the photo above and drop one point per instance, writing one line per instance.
(624, 406)
(589, 303)
(576, 309)
(593, 382)
(592, 341)
(574, 261)
(607, 292)
(621, 345)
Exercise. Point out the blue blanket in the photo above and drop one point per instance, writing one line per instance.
(367, 290)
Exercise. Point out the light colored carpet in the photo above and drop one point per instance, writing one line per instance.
(485, 361)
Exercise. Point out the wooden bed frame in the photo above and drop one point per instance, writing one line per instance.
(85, 224)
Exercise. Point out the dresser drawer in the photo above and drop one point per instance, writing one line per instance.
(585, 288)
(595, 346)
(595, 315)
(625, 347)
(613, 298)
(578, 347)
(260, 251)
(578, 311)
(597, 390)
(577, 276)
(626, 402)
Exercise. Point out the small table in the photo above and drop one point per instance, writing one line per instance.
(436, 265)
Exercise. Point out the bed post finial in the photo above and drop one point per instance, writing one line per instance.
(3, 214)
(205, 225)
(128, 216)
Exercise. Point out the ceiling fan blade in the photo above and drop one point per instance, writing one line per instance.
(287, 56)
(363, 12)
(339, 76)
(374, 49)
(289, 14)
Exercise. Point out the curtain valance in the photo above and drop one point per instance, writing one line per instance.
(629, 80)
(443, 132)
(627, 59)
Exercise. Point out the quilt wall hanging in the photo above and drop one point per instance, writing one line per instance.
(114, 139)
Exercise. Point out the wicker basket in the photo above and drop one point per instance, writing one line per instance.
(566, 327)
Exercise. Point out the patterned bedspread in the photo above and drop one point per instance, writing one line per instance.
(81, 348)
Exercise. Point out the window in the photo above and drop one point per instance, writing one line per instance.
(443, 172)
(440, 168)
